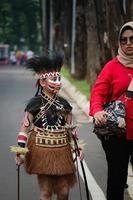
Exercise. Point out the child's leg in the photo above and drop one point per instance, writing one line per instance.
(45, 189)
(63, 194)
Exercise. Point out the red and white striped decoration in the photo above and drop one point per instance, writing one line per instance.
(47, 75)
(22, 137)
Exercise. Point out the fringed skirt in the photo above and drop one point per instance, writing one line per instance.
(49, 161)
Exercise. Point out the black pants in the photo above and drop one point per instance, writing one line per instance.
(118, 151)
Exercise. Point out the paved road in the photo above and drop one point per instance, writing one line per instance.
(17, 86)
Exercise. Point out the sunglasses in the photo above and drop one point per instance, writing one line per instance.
(124, 40)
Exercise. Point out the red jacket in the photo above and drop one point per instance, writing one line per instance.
(111, 83)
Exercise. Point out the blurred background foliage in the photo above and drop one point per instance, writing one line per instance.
(87, 30)
(80, 85)
(20, 23)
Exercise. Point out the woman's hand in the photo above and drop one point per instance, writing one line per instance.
(19, 159)
(100, 117)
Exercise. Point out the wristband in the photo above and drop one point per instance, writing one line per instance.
(22, 139)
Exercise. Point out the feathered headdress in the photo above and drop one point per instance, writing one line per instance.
(51, 61)
(45, 65)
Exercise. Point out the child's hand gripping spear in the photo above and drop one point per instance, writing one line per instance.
(20, 154)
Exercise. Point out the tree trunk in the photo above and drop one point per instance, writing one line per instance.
(113, 21)
(67, 29)
(93, 49)
(45, 20)
(80, 41)
(58, 11)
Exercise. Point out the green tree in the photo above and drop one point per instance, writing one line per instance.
(20, 23)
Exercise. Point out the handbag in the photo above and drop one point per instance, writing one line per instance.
(115, 124)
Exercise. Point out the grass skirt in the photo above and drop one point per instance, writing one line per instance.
(48, 161)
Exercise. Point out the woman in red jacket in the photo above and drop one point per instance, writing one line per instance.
(113, 82)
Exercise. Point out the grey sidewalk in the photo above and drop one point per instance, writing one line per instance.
(77, 96)
(82, 102)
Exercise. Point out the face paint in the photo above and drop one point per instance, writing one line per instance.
(51, 82)
(54, 84)
(26, 121)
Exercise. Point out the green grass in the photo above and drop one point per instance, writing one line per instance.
(81, 85)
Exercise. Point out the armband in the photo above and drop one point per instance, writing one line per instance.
(22, 139)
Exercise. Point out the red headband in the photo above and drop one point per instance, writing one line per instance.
(46, 75)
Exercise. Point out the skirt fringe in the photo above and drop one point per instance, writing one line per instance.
(55, 184)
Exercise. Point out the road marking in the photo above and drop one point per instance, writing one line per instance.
(130, 181)
(95, 190)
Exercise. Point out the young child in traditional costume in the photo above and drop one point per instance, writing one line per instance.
(47, 126)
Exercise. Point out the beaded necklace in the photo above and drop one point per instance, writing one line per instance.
(57, 127)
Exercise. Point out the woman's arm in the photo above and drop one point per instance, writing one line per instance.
(102, 89)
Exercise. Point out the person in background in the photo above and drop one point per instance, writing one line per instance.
(19, 56)
(48, 126)
(115, 80)
(29, 54)
(23, 58)
(12, 58)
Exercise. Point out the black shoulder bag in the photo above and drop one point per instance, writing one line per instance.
(115, 124)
